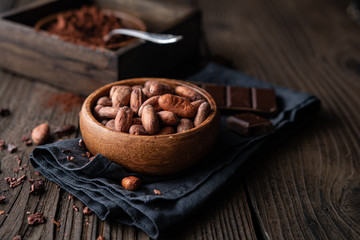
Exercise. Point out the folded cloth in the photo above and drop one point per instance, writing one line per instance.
(97, 183)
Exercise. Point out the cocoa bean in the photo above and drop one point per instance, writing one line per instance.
(108, 112)
(197, 103)
(188, 93)
(202, 113)
(121, 96)
(137, 98)
(158, 88)
(137, 130)
(137, 121)
(111, 124)
(153, 101)
(177, 105)
(40, 133)
(105, 101)
(166, 130)
(149, 119)
(123, 119)
(167, 118)
(184, 125)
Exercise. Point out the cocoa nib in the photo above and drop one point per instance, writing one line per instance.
(26, 140)
(36, 218)
(58, 224)
(4, 112)
(64, 130)
(2, 144)
(38, 187)
(82, 144)
(87, 211)
(15, 182)
(11, 148)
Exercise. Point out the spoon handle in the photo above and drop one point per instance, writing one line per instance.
(152, 37)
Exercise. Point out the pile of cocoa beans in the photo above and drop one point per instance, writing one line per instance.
(154, 108)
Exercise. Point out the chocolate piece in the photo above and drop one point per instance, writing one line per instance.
(263, 99)
(249, 124)
(238, 97)
(259, 100)
(217, 92)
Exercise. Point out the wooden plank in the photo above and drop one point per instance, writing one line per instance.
(308, 187)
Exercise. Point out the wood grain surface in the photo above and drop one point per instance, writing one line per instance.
(307, 188)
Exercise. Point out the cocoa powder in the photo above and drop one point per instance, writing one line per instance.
(86, 26)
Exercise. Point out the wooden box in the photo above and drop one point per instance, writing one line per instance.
(81, 69)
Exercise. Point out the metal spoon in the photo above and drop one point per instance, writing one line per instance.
(152, 37)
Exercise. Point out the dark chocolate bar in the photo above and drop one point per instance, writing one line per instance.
(249, 124)
(259, 100)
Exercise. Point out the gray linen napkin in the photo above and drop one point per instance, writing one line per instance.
(97, 183)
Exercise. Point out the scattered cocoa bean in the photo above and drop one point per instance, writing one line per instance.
(177, 105)
(100, 238)
(75, 208)
(36, 218)
(17, 237)
(2, 198)
(184, 125)
(131, 183)
(40, 133)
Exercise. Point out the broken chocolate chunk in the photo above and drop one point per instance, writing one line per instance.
(249, 124)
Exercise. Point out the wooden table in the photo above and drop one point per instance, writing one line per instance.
(307, 188)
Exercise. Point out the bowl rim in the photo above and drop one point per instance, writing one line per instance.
(90, 102)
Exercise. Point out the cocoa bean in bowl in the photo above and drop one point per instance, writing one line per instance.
(152, 126)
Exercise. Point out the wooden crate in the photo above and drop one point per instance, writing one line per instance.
(81, 69)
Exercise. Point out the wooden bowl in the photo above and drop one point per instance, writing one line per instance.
(154, 154)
